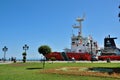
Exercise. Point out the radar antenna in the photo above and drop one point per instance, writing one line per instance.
(79, 20)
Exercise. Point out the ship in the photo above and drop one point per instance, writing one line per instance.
(86, 48)
(110, 50)
(81, 47)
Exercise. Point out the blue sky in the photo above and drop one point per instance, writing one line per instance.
(49, 22)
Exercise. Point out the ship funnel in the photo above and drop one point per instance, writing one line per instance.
(109, 42)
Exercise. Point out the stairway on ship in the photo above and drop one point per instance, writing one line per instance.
(64, 56)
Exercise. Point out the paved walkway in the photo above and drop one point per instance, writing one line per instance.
(6, 62)
(9, 62)
(83, 61)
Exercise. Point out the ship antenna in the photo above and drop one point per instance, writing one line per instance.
(79, 20)
(80, 24)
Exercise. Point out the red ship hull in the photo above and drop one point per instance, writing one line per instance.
(69, 56)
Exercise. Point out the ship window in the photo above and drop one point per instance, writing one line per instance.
(73, 42)
(79, 50)
(87, 44)
(83, 44)
(108, 43)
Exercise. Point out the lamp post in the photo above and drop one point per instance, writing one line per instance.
(119, 13)
(91, 47)
(4, 49)
(91, 52)
(25, 47)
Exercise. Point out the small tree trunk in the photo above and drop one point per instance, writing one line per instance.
(43, 64)
(44, 59)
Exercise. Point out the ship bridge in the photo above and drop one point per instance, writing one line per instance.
(80, 43)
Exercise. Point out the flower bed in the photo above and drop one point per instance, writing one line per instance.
(111, 57)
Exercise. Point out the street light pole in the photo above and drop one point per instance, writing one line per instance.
(119, 13)
(91, 47)
(91, 51)
(4, 49)
(25, 47)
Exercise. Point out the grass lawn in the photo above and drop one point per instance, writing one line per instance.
(34, 71)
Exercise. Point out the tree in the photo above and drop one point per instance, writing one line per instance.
(44, 50)
(24, 57)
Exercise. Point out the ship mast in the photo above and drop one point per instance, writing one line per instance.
(79, 20)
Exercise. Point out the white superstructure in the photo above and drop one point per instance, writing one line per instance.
(80, 44)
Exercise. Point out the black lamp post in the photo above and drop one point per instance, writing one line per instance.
(25, 47)
(4, 49)
(119, 16)
(91, 47)
(91, 52)
(119, 13)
